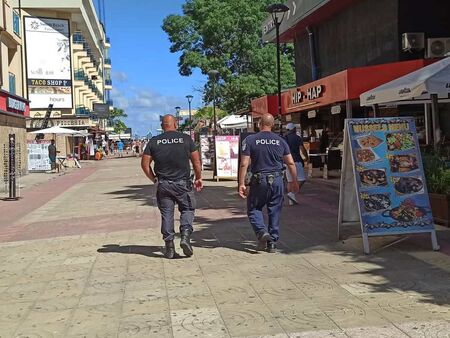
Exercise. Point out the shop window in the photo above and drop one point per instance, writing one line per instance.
(12, 83)
(16, 23)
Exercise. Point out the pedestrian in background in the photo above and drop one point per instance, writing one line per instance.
(295, 143)
(171, 151)
(52, 155)
(267, 152)
(120, 148)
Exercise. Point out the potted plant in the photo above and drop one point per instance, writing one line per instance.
(438, 183)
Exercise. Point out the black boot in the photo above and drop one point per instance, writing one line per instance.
(170, 250)
(185, 243)
(271, 247)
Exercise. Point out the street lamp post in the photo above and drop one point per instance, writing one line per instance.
(189, 98)
(177, 109)
(213, 75)
(278, 12)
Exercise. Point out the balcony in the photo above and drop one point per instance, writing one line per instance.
(108, 62)
(107, 42)
(110, 102)
(16, 23)
(81, 111)
(78, 38)
(108, 82)
(79, 75)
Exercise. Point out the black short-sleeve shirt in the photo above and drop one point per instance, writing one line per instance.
(266, 151)
(295, 142)
(171, 152)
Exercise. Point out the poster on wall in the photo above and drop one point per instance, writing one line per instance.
(38, 159)
(207, 151)
(383, 168)
(48, 60)
(227, 156)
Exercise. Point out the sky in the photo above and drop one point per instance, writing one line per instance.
(146, 82)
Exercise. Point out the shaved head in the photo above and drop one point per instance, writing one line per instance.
(169, 123)
(266, 122)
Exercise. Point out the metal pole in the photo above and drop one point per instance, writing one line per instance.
(190, 119)
(214, 107)
(277, 28)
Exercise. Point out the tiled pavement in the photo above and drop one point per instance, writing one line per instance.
(83, 259)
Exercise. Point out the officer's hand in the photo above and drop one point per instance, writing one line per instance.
(198, 184)
(243, 191)
(294, 187)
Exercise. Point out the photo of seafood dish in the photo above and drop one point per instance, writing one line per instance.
(407, 185)
(365, 155)
(403, 163)
(376, 202)
(400, 141)
(369, 141)
(407, 211)
(373, 177)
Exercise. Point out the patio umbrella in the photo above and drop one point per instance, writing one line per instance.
(57, 130)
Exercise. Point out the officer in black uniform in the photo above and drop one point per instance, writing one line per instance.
(171, 152)
(266, 151)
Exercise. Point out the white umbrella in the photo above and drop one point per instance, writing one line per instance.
(57, 130)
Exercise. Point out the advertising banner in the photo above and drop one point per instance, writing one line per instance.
(38, 159)
(388, 176)
(207, 151)
(227, 156)
(49, 73)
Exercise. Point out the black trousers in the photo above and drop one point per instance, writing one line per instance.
(168, 194)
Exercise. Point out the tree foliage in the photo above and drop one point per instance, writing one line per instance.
(226, 35)
(116, 119)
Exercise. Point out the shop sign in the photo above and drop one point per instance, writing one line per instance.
(312, 114)
(16, 105)
(383, 160)
(37, 123)
(311, 93)
(227, 156)
(288, 118)
(336, 110)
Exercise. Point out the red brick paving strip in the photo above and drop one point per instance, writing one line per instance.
(34, 198)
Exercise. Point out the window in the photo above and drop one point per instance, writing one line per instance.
(12, 83)
(16, 23)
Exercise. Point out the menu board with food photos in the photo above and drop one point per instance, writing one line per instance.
(388, 175)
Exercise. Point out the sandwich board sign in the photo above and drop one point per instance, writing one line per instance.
(382, 173)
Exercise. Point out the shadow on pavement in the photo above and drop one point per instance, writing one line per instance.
(149, 251)
(311, 227)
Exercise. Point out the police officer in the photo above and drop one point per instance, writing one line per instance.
(266, 151)
(171, 152)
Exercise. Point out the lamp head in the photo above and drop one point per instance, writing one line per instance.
(189, 98)
(177, 109)
(278, 11)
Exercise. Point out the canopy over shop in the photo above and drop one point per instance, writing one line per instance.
(328, 101)
(429, 85)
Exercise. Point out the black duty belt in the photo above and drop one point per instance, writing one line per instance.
(268, 176)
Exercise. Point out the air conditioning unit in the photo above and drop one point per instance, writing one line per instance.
(413, 41)
(438, 47)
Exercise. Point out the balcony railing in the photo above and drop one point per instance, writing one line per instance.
(78, 38)
(79, 75)
(108, 61)
(16, 23)
(110, 102)
(108, 82)
(81, 111)
(108, 40)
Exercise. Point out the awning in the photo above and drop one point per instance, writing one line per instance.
(233, 122)
(418, 86)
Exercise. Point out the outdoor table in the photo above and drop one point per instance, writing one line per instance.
(310, 165)
(62, 160)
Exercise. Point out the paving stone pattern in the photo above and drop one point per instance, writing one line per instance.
(87, 262)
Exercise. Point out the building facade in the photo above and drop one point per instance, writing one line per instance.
(346, 47)
(14, 107)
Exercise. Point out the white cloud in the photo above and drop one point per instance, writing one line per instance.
(119, 76)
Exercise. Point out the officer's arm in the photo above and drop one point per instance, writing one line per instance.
(290, 165)
(195, 159)
(146, 160)
(245, 162)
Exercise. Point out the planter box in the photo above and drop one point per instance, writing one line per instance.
(440, 205)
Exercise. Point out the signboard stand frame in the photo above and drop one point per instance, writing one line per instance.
(347, 215)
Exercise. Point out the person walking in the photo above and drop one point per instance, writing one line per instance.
(295, 143)
(267, 152)
(120, 148)
(171, 152)
(52, 156)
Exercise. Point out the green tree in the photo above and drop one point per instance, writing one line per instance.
(116, 119)
(226, 35)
